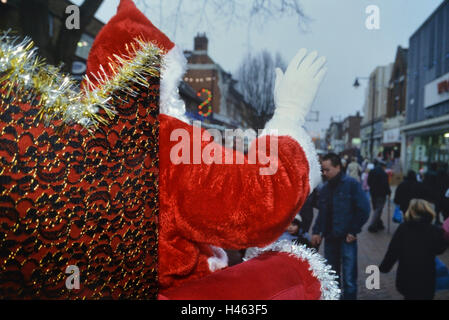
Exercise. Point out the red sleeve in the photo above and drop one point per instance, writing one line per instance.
(231, 205)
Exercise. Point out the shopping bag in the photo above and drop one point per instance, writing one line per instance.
(442, 276)
(397, 215)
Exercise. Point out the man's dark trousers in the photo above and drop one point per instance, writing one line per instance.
(378, 203)
(342, 256)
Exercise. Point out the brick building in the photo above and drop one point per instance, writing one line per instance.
(351, 134)
(396, 103)
(227, 109)
(398, 85)
(343, 137)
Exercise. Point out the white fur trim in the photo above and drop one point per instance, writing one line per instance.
(286, 127)
(219, 260)
(328, 279)
(173, 68)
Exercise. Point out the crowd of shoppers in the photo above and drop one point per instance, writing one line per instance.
(349, 192)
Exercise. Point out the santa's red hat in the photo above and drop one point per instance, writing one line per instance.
(124, 28)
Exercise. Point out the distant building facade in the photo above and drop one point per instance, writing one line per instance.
(375, 110)
(396, 107)
(334, 137)
(426, 131)
(343, 137)
(351, 131)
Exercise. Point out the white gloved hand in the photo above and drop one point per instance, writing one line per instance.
(295, 91)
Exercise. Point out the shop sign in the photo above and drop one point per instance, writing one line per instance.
(436, 91)
(443, 87)
(392, 136)
(356, 141)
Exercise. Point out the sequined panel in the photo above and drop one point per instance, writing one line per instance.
(68, 197)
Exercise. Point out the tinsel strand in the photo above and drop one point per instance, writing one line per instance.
(23, 72)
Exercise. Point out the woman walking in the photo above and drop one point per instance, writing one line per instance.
(415, 245)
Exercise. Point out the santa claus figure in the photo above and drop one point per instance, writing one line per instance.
(201, 207)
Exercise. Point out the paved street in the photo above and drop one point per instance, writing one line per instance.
(371, 250)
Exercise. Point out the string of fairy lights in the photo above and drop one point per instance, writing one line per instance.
(205, 108)
(205, 103)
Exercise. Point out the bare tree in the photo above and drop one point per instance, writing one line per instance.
(256, 76)
(229, 11)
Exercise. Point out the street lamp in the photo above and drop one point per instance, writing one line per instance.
(356, 85)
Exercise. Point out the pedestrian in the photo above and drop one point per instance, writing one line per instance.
(431, 184)
(343, 210)
(292, 232)
(365, 186)
(420, 175)
(364, 164)
(344, 164)
(379, 190)
(295, 233)
(354, 169)
(415, 245)
(306, 212)
(442, 197)
(409, 189)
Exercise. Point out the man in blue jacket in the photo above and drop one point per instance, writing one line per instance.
(343, 210)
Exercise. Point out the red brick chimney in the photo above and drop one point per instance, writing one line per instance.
(200, 42)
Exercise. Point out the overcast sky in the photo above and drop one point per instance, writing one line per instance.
(336, 29)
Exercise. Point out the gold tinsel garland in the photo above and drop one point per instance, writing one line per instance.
(23, 72)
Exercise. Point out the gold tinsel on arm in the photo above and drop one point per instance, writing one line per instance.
(58, 95)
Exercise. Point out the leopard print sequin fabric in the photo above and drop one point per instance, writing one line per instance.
(69, 197)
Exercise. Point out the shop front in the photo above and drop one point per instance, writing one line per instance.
(391, 144)
(371, 139)
(426, 147)
(391, 153)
